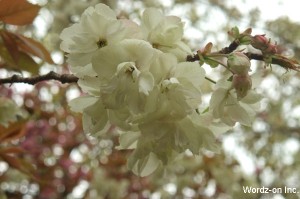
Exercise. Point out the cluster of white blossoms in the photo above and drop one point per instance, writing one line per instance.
(136, 79)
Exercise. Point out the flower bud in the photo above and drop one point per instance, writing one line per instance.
(242, 84)
(260, 42)
(271, 49)
(239, 63)
(248, 31)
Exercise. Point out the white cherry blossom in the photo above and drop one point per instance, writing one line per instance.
(123, 71)
(97, 28)
(225, 105)
(164, 33)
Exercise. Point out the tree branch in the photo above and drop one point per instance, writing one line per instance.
(227, 50)
(70, 78)
(276, 58)
(63, 78)
(232, 47)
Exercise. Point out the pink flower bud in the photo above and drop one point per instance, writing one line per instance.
(242, 84)
(239, 63)
(271, 49)
(260, 42)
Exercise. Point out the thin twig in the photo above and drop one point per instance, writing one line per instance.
(282, 61)
(63, 78)
(212, 81)
(70, 78)
(222, 64)
(227, 50)
(232, 47)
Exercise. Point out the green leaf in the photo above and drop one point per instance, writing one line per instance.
(205, 110)
(201, 62)
(230, 78)
(211, 62)
(201, 58)
(245, 40)
(234, 32)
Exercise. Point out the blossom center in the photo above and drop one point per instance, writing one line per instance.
(169, 84)
(101, 43)
(155, 45)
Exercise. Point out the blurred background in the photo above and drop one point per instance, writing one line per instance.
(68, 164)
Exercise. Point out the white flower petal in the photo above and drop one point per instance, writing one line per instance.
(95, 119)
(106, 60)
(162, 66)
(197, 136)
(80, 103)
(218, 97)
(90, 85)
(128, 140)
(190, 71)
(151, 17)
(145, 166)
(106, 11)
(239, 114)
(146, 82)
(120, 119)
(252, 97)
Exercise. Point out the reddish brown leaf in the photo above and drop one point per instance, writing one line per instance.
(6, 56)
(207, 48)
(10, 44)
(286, 63)
(25, 62)
(11, 150)
(19, 48)
(18, 12)
(33, 47)
(18, 163)
(14, 131)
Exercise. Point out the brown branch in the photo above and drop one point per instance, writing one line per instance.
(63, 78)
(280, 60)
(254, 56)
(192, 58)
(70, 78)
(232, 46)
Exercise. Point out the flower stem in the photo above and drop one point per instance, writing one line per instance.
(219, 62)
(217, 54)
(212, 81)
